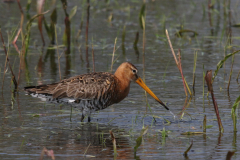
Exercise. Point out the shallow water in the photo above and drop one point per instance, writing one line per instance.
(28, 125)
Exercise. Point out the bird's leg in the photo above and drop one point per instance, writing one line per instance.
(82, 118)
(154, 120)
(89, 118)
(86, 113)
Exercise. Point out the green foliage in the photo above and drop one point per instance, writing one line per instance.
(180, 32)
(28, 5)
(139, 139)
(188, 149)
(138, 143)
(28, 28)
(50, 29)
(220, 63)
(192, 133)
(141, 15)
(236, 25)
(205, 123)
(209, 126)
(72, 12)
(233, 113)
(164, 133)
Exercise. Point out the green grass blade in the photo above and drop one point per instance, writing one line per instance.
(220, 63)
(233, 113)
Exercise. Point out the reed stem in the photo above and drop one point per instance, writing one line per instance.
(59, 67)
(8, 61)
(114, 49)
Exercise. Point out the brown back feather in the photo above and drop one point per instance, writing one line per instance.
(87, 86)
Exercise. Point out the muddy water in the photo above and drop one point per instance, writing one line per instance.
(28, 125)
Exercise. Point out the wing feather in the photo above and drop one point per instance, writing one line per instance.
(87, 86)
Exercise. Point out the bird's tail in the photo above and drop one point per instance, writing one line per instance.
(30, 89)
(41, 89)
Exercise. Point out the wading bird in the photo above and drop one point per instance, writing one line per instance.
(92, 92)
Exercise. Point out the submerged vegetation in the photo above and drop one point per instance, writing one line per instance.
(63, 32)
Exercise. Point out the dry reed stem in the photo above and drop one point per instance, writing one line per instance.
(5, 69)
(170, 44)
(20, 55)
(93, 59)
(79, 31)
(86, 149)
(185, 106)
(59, 67)
(87, 24)
(208, 78)
(86, 34)
(114, 142)
(40, 4)
(209, 12)
(6, 53)
(114, 49)
(19, 70)
(16, 37)
(22, 19)
(4, 72)
(178, 63)
(187, 87)
(180, 69)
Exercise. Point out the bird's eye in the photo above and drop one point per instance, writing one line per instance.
(134, 71)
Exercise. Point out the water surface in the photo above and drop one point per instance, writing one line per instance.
(28, 125)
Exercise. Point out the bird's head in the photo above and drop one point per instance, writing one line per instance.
(129, 72)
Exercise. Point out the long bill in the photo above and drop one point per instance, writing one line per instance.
(140, 82)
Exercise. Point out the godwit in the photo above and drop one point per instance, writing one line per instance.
(93, 91)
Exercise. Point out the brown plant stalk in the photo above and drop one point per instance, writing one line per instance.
(180, 69)
(93, 59)
(208, 79)
(178, 63)
(5, 50)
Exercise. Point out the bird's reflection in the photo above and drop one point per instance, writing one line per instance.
(89, 139)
